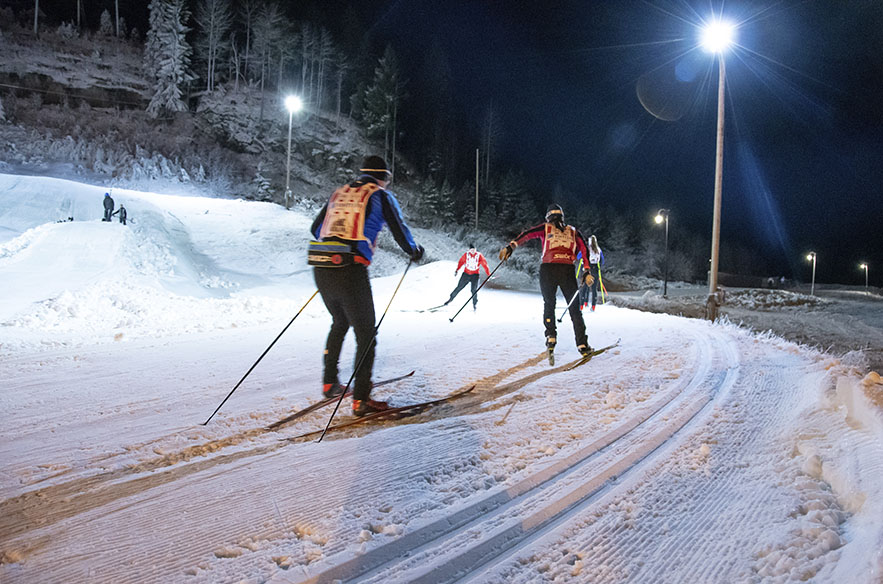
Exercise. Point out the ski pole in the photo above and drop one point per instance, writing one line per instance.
(364, 353)
(603, 289)
(259, 358)
(566, 308)
(468, 300)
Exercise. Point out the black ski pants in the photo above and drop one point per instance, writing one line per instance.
(346, 292)
(553, 277)
(472, 280)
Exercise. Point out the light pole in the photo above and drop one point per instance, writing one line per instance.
(661, 216)
(293, 104)
(864, 267)
(811, 256)
(716, 38)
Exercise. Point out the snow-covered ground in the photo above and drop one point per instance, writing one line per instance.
(690, 453)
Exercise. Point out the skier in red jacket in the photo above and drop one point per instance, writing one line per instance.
(560, 245)
(472, 261)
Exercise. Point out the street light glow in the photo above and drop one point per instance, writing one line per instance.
(659, 219)
(293, 104)
(810, 256)
(717, 36)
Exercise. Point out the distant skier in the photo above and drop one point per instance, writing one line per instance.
(346, 232)
(122, 213)
(596, 258)
(108, 207)
(472, 261)
(560, 245)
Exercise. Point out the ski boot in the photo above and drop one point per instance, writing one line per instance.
(368, 406)
(550, 349)
(332, 390)
(585, 350)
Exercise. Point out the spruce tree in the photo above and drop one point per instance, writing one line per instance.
(381, 99)
(167, 56)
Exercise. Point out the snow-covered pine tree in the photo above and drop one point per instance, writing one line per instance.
(2, 112)
(105, 29)
(214, 19)
(167, 55)
(262, 186)
(438, 202)
(381, 99)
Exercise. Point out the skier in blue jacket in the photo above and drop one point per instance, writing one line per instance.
(346, 232)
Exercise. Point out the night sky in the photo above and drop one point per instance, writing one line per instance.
(573, 82)
(803, 153)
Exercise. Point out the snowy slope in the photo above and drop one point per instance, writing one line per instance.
(692, 452)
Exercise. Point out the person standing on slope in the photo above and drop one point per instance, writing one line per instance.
(472, 261)
(560, 245)
(345, 233)
(122, 213)
(108, 207)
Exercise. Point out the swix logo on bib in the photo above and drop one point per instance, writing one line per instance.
(559, 246)
(472, 260)
(345, 217)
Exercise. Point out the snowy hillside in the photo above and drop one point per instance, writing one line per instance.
(689, 453)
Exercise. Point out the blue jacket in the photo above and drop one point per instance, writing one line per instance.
(380, 209)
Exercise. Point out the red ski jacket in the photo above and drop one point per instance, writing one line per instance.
(473, 261)
(559, 246)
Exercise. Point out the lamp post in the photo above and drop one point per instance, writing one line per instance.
(716, 37)
(292, 104)
(661, 216)
(811, 256)
(864, 267)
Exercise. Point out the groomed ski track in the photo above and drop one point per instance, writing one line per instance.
(635, 467)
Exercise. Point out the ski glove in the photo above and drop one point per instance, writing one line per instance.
(417, 254)
(589, 280)
(505, 253)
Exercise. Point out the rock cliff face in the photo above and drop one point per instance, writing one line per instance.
(101, 72)
(79, 103)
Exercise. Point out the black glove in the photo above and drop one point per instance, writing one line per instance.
(417, 254)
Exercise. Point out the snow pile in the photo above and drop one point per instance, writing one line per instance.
(760, 299)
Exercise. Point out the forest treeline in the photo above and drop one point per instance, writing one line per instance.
(199, 56)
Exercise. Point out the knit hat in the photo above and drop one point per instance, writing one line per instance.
(375, 166)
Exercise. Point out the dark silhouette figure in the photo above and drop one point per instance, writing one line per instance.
(108, 207)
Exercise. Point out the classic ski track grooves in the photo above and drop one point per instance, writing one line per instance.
(545, 498)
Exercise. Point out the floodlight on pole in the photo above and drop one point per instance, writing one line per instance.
(661, 216)
(717, 36)
(293, 104)
(811, 257)
(864, 266)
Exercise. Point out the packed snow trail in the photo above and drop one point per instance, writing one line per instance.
(691, 452)
(577, 449)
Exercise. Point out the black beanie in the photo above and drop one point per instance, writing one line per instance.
(375, 166)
